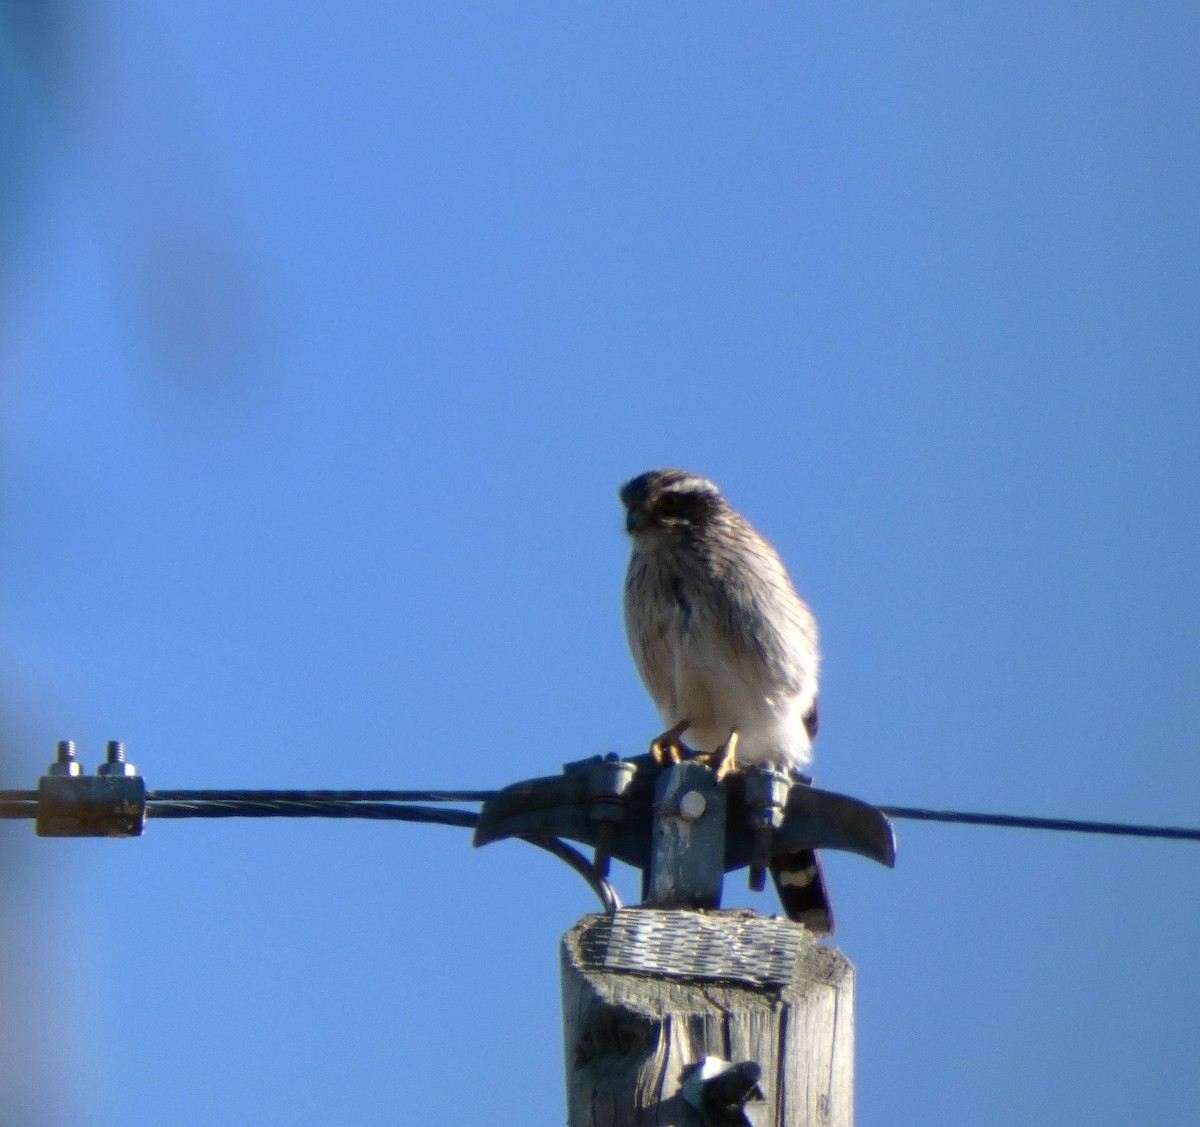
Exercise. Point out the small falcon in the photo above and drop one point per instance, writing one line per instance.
(725, 647)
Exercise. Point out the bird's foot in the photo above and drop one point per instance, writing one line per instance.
(724, 759)
(668, 748)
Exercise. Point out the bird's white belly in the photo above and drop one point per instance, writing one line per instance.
(770, 724)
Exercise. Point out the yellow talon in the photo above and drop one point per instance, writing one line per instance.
(724, 759)
(667, 748)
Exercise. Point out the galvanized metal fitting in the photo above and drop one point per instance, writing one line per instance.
(767, 791)
(114, 761)
(111, 803)
(687, 839)
(65, 764)
(607, 783)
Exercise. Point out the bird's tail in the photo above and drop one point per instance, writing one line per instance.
(802, 892)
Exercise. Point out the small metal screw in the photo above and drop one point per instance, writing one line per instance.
(691, 805)
(65, 763)
(114, 761)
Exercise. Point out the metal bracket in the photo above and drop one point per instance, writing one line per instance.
(111, 803)
(91, 806)
(682, 828)
(687, 840)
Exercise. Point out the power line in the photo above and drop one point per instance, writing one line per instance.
(318, 795)
(402, 806)
(1022, 822)
(266, 807)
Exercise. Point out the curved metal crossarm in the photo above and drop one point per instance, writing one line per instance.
(567, 805)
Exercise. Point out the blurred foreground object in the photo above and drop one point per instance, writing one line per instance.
(89, 95)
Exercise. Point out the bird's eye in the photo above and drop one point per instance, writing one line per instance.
(674, 507)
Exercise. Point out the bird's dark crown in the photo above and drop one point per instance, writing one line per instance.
(669, 499)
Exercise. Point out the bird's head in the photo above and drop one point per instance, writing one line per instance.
(667, 500)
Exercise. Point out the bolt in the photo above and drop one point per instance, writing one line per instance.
(114, 761)
(691, 805)
(65, 763)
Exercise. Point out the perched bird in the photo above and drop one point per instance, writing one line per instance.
(725, 647)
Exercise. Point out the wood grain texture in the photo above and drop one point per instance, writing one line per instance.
(630, 1040)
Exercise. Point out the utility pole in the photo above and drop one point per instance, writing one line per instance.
(634, 1043)
(675, 1013)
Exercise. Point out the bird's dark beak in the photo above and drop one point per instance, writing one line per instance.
(633, 520)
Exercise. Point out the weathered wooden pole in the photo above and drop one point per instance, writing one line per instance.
(675, 1013)
(648, 994)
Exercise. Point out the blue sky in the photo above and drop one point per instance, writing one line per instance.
(328, 335)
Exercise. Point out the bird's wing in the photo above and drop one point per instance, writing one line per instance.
(777, 632)
(649, 627)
